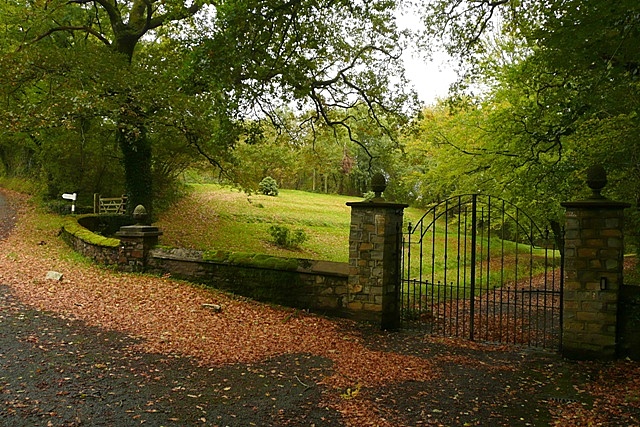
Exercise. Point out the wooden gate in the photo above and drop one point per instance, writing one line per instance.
(478, 267)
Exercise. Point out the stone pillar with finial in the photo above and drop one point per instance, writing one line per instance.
(136, 241)
(594, 253)
(374, 258)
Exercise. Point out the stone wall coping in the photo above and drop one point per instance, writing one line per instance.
(138, 231)
(595, 204)
(378, 204)
(308, 266)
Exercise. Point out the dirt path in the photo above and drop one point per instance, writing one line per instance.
(72, 354)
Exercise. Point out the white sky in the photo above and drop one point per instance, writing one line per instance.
(431, 79)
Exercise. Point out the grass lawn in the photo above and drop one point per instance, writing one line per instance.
(221, 218)
(213, 217)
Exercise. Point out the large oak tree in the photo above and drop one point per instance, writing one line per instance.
(200, 71)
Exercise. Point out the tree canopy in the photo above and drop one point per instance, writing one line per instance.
(549, 88)
(166, 79)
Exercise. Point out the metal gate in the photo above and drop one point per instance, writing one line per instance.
(478, 267)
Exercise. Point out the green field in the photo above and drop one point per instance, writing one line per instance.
(213, 217)
(220, 218)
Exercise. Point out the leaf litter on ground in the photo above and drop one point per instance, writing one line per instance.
(401, 378)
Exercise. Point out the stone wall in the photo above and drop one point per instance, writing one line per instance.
(100, 253)
(319, 286)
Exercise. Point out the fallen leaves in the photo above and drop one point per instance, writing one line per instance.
(371, 378)
(173, 317)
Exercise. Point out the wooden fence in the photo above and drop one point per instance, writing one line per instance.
(109, 205)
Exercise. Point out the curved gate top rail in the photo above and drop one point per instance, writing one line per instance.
(478, 267)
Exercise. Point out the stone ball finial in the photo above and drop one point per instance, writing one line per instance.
(140, 215)
(596, 180)
(378, 184)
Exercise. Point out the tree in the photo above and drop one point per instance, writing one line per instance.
(560, 81)
(200, 68)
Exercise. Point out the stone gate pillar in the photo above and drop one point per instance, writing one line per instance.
(374, 258)
(136, 241)
(594, 253)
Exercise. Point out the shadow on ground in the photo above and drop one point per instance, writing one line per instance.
(59, 372)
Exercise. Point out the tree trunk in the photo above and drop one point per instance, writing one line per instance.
(133, 141)
(136, 158)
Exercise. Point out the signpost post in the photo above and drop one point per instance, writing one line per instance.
(72, 197)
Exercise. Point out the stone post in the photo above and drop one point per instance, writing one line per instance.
(136, 241)
(374, 258)
(594, 253)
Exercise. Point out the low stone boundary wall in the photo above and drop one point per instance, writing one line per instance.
(101, 249)
(319, 286)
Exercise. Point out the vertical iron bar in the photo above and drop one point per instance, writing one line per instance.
(561, 309)
(408, 270)
(531, 242)
(472, 279)
(544, 300)
(483, 306)
(433, 261)
(466, 253)
(446, 258)
(502, 277)
(515, 282)
(458, 272)
(488, 222)
(417, 303)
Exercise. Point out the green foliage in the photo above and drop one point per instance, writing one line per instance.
(561, 82)
(92, 103)
(283, 236)
(70, 225)
(268, 186)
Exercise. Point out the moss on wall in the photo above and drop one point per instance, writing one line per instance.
(72, 227)
(251, 260)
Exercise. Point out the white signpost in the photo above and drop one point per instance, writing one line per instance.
(72, 197)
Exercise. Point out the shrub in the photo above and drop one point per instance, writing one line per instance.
(369, 196)
(268, 186)
(284, 237)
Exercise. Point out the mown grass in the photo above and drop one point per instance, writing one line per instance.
(214, 217)
(220, 218)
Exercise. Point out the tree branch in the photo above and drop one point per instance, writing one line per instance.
(109, 7)
(72, 28)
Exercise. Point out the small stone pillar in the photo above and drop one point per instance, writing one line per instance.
(593, 260)
(136, 241)
(374, 258)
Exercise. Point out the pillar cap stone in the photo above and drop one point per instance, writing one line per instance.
(596, 180)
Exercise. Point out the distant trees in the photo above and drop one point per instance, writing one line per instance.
(141, 87)
(548, 89)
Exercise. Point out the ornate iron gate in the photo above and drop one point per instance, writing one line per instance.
(478, 267)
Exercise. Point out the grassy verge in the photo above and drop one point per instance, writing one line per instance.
(219, 218)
